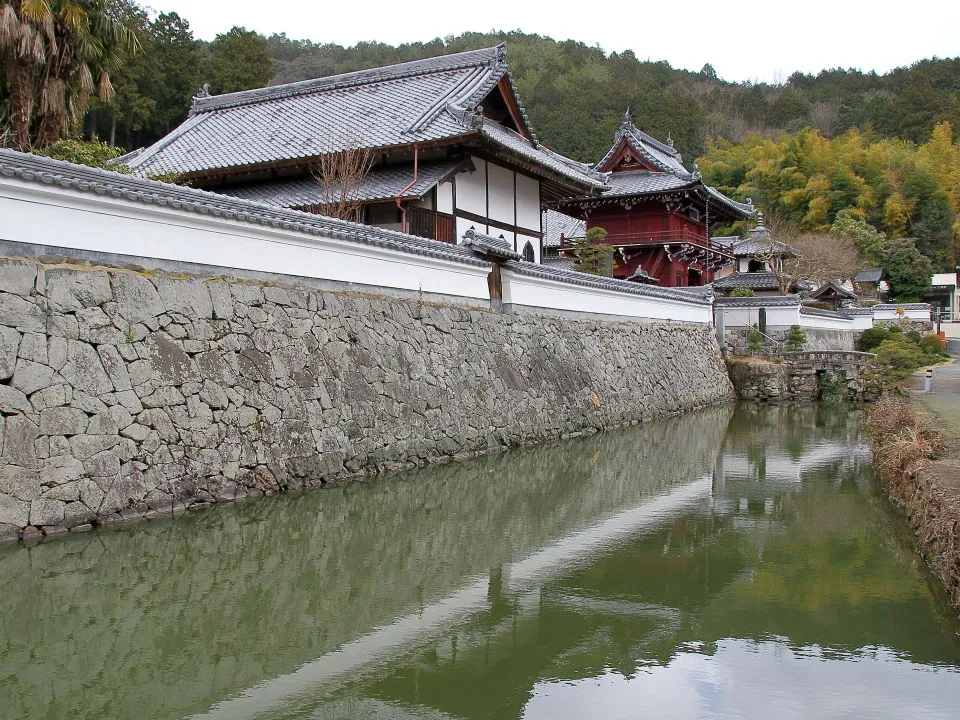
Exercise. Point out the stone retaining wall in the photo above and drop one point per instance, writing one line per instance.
(128, 393)
(817, 338)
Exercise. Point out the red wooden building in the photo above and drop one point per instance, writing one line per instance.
(656, 213)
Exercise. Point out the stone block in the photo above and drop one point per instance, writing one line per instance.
(14, 511)
(137, 298)
(63, 421)
(68, 492)
(28, 377)
(187, 297)
(13, 400)
(9, 346)
(19, 482)
(19, 440)
(171, 364)
(44, 511)
(84, 370)
(60, 470)
(88, 403)
(130, 401)
(84, 447)
(24, 315)
(76, 515)
(102, 424)
(63, 326)
(103, 464)
(18, 277)
(71, 290)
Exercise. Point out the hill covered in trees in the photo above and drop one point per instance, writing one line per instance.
(575, 94)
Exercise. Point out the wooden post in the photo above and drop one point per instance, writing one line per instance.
(495, 285)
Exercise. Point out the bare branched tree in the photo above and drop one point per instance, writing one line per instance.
(340, 175)
(793, 255)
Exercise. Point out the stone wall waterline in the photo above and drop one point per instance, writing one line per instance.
(128, 393)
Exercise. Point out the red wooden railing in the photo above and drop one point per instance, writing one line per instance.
(431, 224)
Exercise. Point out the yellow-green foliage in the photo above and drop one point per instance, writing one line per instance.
(898, 186)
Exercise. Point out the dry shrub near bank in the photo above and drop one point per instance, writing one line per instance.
(921, 473)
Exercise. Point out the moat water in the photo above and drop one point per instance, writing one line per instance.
(726, 564)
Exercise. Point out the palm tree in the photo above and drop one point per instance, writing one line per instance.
(55, 55)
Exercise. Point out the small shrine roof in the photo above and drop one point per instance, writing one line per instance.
(659, 154)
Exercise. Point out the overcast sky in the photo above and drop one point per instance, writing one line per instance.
(743, 40)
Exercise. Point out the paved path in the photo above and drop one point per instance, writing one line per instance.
(944, 401)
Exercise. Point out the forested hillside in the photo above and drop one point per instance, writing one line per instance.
(803, 149)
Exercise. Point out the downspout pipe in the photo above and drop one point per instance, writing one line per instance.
(397, 200)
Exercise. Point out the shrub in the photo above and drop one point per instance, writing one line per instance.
(932, 345)
(755, 338)
(742, 292)
(871, 338)
(914, 335)
(796, 338)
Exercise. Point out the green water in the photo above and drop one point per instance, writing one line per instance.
(728, 564)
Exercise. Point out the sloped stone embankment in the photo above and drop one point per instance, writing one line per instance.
(126, 393)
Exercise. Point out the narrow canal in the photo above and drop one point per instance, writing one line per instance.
(732, 563)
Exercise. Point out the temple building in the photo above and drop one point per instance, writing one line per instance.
(443, 146)
(657, 214)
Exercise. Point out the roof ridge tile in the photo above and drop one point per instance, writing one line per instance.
(439, 63)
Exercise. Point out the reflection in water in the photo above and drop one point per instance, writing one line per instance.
(695, 567)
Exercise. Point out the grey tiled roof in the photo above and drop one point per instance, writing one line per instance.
(382, 183)
(660, 155)
(557, 224)
(552, 272)
(489, 245)
(831, 286)
(754, 281)
(435, 99)
(641, 182)
(558, 262)
(537, 154)
(744, 208)
(870, 275)
(791, 300)
(85, 179)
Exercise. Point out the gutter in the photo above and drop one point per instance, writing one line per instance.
(397, 199)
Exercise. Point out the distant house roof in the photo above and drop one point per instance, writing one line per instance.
(832, 289)
(431, 101)
(870, 275)
(381, 183)
(557, 225)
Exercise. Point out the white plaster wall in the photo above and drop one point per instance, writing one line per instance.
(50, 215)
(500, 193)
(825, 323)
(463, 225)
(528, 204)
(890, 313)
(538, 292)
(472, 189)
(445, 197)
(534, 242)
(778, 316)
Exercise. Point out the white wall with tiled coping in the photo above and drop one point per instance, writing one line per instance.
(117, 221)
